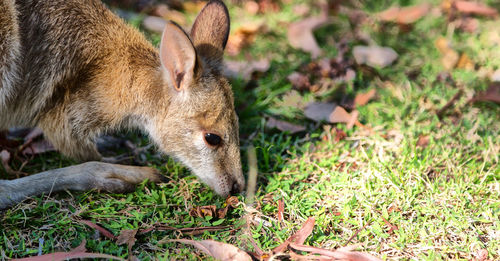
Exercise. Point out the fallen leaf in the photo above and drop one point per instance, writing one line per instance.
(374, 56)
(344, 253)
(203, 211)
(468, 24)
(243, 36)
(217, 250)
(492, 94)
(212, 211)
(475, 8)
(405, 15)
(127, 236)
(245, 69)
(5, 157)
(339, 134)
(38, 147)
(251, 7)
(299, 237)
(318, 111)
(482, 255)
(163, 11)
(193, 6)
(299, 81)
(78, 252)
(102, 230)
(300, 34)
(284, 125)
(464, 62)
(363, 98)
(154, 23)
(33, 134)
(423, 141)
(495, 77)
(339, 115)
(449, 57)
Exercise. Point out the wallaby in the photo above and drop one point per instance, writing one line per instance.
(76, 70)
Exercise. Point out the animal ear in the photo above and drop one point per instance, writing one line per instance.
(211, 30)
(177, 55)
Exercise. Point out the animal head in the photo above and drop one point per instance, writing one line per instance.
(200, 127)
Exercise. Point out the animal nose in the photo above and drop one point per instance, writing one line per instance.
(235, 188)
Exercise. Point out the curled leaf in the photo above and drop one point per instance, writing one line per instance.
(217, 250)
(300, 34)
(374, 56)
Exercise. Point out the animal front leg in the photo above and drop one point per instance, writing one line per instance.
(87, 176)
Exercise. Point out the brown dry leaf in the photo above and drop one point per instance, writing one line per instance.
(374, 56)
(468, 24)
(217, 250)
(475, 8)
(343, 253)
(245, 69)
(299, 81)
(492, 94)
(78, 252)
(102, 230)
(154, 23)
(212, 211)
(284, 125)
(203, 211)
(251, 7)
(482, 255)
(5, 157)
(299, 237)
(339, 115)
(38, 147)
(127, 237)
(163, 11)
(300, 34)
(464, 62)
(339, 134)
(363, 98)
(243, 36)
(450, 57)
(423, 141)
(319, 111)
(193, 6)
(405, 15)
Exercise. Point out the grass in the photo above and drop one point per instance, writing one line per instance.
(443, 198)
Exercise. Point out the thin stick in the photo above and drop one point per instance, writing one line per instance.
(450, 103)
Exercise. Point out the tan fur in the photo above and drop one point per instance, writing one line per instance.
(74, 69)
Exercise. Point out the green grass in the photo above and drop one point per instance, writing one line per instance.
(444, 198)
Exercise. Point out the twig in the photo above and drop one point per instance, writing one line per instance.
(356, 233)
(450, 103)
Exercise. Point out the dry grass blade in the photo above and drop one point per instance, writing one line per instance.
(299, 237)
(217, 250)
(341, 253)
(101, 230)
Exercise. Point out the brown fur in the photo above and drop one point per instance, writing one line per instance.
(74, 69)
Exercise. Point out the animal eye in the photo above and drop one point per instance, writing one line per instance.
(212, 139)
